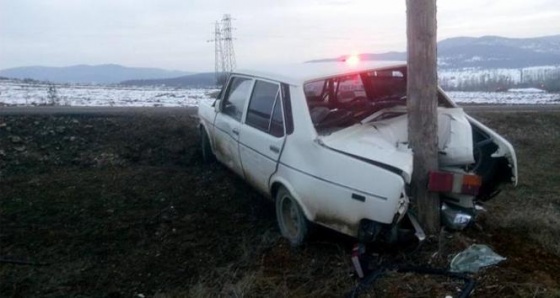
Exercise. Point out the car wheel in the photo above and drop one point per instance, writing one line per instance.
(207, 154)
(293, 224)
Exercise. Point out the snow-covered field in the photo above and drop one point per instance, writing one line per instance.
(19, 93)
(513, 96)
(477, 76)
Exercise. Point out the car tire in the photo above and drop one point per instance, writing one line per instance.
(207, 154)
(292, 222)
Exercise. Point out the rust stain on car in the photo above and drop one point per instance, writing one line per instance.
(340, 224)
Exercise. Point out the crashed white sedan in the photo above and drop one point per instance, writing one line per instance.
(328, 143)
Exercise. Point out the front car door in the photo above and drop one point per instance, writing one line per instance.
(228, 122)
(262, 135)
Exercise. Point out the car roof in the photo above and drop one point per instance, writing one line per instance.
(297, 74)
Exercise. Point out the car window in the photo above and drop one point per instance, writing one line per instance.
(277, 122)
(237, 94)
(349, 87)
(264, 103)
(386, 84)
(314, 88)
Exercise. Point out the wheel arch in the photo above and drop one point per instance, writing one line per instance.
(201, 126)
(277, 183)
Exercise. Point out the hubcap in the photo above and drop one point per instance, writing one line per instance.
(290, 216)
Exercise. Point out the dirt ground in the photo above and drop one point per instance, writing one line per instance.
(122, 206)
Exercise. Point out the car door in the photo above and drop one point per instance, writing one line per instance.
(263, 133)
(228, 122)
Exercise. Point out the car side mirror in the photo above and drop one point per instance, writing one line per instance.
(217, 105)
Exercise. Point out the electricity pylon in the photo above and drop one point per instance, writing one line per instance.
(224, 54)
(228, 51)
(218, 54)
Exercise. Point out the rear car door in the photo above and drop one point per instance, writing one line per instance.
(228, 122)
(263, 134)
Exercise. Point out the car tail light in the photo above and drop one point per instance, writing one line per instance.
(468, 184)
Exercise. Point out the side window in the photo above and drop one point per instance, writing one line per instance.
(277, 121)
(236, 96)
(264, 106)
(349, 88)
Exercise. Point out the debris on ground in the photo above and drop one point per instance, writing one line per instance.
(474, 258)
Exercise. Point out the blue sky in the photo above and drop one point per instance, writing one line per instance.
(173, 34)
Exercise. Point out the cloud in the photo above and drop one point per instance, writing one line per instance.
(174, 33)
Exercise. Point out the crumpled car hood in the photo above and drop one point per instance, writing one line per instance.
(385, 142)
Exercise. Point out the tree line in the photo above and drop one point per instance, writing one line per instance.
(545, 79)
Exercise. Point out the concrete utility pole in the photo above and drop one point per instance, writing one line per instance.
(422, 107)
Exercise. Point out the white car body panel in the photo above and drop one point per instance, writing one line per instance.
(259, 154)
(331, 204)
(206, 116)
(225, 142)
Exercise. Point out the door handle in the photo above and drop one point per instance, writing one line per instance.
(235, 131)
(274, 149)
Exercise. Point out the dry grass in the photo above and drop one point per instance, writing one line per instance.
(533, 207)
(126, 208)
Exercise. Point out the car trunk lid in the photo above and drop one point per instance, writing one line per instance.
(385, 141)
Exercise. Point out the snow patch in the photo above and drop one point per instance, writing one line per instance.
(30, 94)
(526, 90)
(509, 98)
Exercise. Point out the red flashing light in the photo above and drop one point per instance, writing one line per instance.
(353, 60)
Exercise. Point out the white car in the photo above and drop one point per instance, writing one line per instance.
(328, 143)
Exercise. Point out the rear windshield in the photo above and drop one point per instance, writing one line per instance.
(383, 84)
(342, 101)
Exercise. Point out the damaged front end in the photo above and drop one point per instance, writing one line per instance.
(454, 218)
(464, 187)
(408, 229)
(404, 227)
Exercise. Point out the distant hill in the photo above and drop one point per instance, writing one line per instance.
(499, 52)
(204, 79)
(89, 74)
(486, 52)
